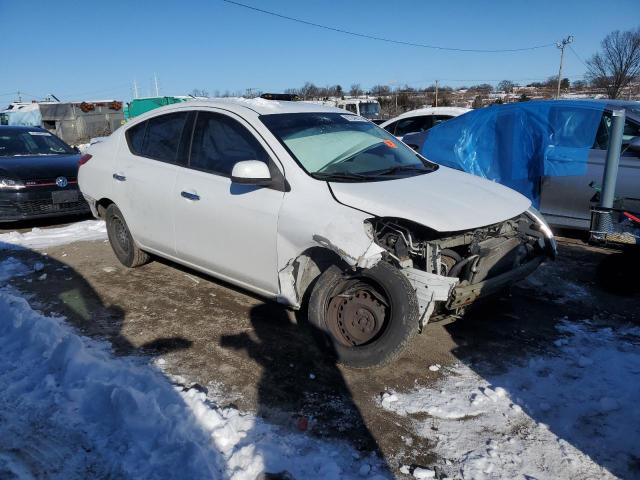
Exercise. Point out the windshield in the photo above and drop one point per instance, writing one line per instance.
(20, 142)
(369, 109)
(342, 147)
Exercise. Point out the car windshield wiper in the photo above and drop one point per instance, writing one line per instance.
(399, 169)
(340, 176)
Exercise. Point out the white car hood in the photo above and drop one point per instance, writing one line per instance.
(445, 200)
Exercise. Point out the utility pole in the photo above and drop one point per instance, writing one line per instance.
(135, 89)
(436, 93)
(155, 80)
(561, 45)
(19, 96)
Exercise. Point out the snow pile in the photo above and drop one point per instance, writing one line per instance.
(253, 102)
(572, 413)
(39, 238)
(70, 410)
(12, 267)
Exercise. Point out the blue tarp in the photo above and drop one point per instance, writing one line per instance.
(518, 143)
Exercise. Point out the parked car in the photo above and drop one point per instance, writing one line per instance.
(420, 120)
(311, 206)
(37, 175)
(566, 199)
(553, 151)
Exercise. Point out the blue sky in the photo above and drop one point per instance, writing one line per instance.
(91, 49)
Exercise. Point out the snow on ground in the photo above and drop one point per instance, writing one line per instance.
(572, 413)
(69, 409)
(39, 238)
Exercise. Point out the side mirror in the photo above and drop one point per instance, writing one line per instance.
(634, 145)
(75, 149)
(251, 172)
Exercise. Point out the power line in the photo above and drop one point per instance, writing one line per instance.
(424, 81)
(383, 39)
(578, 57)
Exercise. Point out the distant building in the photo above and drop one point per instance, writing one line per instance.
(73, 122)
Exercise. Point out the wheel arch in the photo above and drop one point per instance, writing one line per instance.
(299, 275)
(102, 205)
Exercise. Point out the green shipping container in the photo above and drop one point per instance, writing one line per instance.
(138, 106)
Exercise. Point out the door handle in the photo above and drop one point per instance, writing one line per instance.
(190, 195)
(118, 177)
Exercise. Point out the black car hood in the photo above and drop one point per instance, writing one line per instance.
(39, 167)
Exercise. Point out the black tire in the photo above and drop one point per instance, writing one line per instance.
(401, 314)
(122, 243)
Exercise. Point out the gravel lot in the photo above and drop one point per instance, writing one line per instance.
(259, 357)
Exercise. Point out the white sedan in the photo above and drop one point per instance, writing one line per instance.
(311, 206)
(421, 120)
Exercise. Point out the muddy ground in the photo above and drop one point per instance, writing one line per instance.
(259, 356)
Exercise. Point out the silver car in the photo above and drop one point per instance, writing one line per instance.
(565, 200)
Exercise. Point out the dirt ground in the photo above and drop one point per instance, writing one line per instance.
(259, 357)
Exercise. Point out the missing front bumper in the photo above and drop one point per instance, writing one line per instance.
(463, 295)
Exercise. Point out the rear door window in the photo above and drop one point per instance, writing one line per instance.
(219, 142)
(135, 138)
(163, 135)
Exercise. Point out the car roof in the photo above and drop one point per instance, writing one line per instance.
(429, 111)
(261, 106)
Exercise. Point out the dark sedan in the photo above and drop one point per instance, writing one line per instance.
(38, 175)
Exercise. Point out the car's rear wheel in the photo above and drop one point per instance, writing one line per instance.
(366, 317)
(122, 243)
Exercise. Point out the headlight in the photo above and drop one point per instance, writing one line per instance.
(10, 184)
(539, 219)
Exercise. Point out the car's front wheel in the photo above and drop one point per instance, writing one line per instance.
(366, 317)
(122, 243)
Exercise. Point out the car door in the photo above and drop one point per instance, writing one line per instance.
(566, 199)
(223, 227)
(145, 177)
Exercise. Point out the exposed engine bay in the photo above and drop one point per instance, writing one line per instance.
(506, 251)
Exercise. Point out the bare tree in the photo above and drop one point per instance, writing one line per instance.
(380, 90)
(198, 92)
(309, 91)
(579, 84)
(477, 102)
(617, 63)
(506, 86)
(355, 90)
(483, 88)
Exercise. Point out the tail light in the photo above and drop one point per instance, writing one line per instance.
(84, 159)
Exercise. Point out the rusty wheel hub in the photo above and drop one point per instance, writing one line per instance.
(356, 318)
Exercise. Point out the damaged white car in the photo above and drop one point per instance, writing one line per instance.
(313, 207)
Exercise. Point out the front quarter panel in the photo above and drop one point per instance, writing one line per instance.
(311, 217)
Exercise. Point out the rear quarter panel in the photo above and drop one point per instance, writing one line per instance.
(95, 177)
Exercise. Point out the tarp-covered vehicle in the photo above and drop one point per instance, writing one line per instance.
(553, 152)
